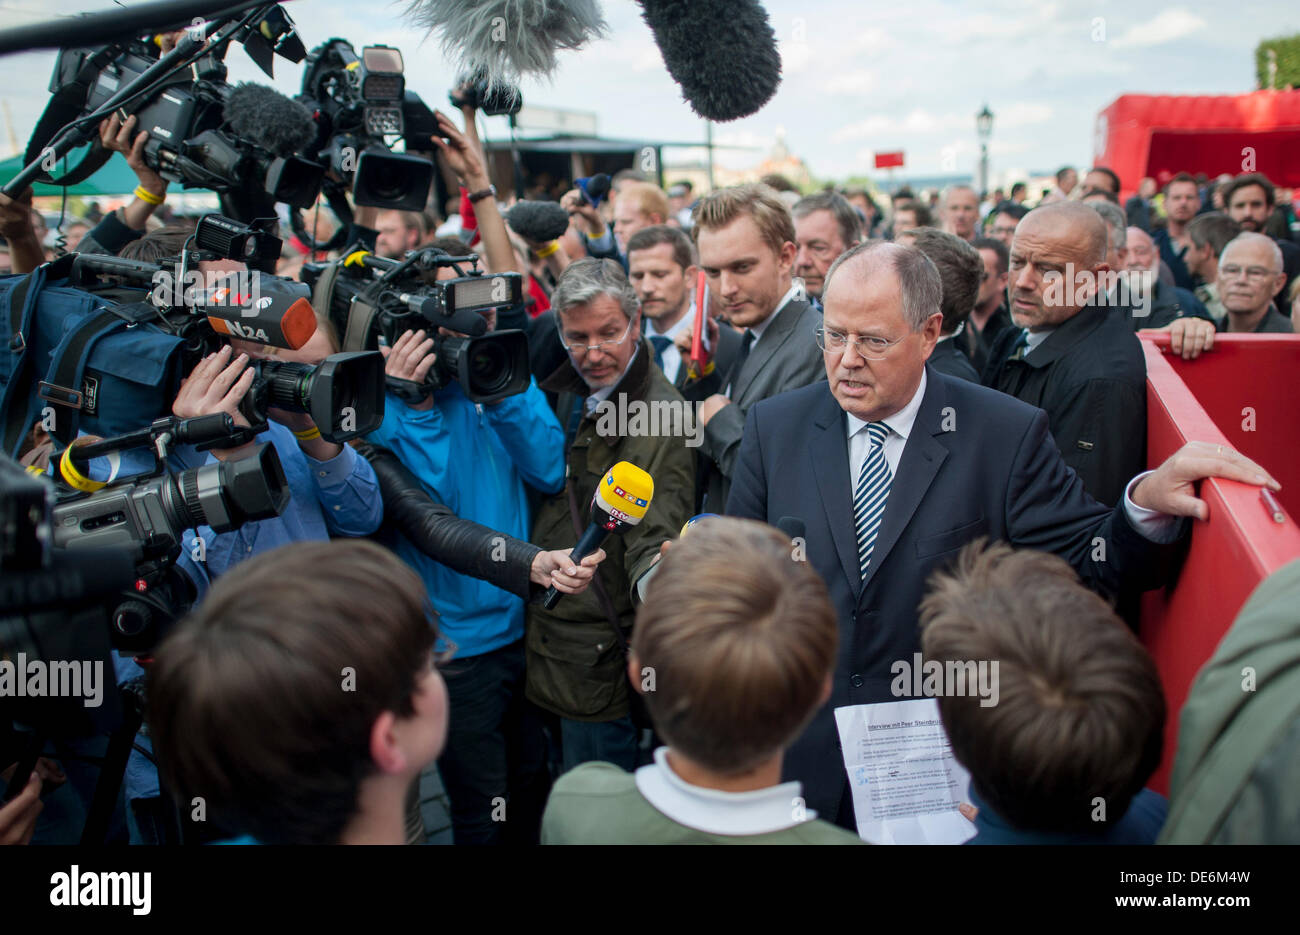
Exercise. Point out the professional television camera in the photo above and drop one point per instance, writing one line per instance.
(344, 394)
(241, 142)
(145, 515)
(372, 298)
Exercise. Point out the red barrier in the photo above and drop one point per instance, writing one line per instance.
(1237, 395)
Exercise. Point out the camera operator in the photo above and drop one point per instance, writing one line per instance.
(476, 459)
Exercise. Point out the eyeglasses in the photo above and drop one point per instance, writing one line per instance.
(602, 346)
(1256, 273)
(870, 348)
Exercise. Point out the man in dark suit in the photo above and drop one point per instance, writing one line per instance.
(662, 270)
(960, 272)
(893, 467)
(1071, 355)
(746, 241)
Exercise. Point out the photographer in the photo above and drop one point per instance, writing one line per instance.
(476, 459)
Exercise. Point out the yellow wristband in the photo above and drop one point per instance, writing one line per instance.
(307, 435)
(148, 197)
(74, 477)
(546, 251)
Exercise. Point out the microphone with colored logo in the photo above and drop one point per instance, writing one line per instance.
(261, 308)
(620, 502)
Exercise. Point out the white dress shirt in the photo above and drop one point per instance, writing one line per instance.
(672, 356)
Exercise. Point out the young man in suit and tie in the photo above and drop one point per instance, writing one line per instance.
(892, 467)
(662, 268)
(746, 240)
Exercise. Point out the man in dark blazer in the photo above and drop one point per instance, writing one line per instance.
(1071, 355)
(662, 270)
(746, 241)
(893, 467)
(961, 271)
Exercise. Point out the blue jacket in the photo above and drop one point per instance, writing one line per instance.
(476, 460)
(1140, 824)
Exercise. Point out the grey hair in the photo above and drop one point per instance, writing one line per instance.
(918, 277)
(845, 215)
(1116, 222)
(590, 278)
(1253, 237)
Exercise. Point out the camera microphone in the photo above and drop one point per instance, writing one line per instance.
(620, 502)
(266, 117)
(272, 311)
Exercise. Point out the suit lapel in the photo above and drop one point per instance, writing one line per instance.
(766, 347)
(922, 458)
(830, 466)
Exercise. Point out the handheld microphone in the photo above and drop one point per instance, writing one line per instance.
(594, 188)
(274, 311)
(620, 502)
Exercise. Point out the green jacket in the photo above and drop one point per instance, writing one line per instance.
(576, 667)
(1235, 775)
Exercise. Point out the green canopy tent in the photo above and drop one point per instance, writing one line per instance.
(113, 178)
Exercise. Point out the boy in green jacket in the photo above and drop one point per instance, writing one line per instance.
(733, 652)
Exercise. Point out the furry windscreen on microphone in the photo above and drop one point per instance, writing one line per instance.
(268, 118)
(722, 52)
(538, 221)
(509, 38)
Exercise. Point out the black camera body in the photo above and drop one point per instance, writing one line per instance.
(343, 394)
(378, 299)
(359, 101)
(190, 139)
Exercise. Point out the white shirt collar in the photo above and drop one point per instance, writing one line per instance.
(795, 290)
(1035, 338)
(900, 422)
(683, 323)
(716, 812)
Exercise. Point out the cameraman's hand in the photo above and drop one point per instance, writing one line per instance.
(576, 203)
(117, 136)
(410, 358)
(462, 158)
(217, 384)
(557, 568)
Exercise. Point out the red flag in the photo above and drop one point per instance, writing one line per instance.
(889, 160)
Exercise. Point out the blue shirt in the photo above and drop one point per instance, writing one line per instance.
(1141, 824)
(476, 459)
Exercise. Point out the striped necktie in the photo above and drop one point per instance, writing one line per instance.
(1021, 347)
(871, 493)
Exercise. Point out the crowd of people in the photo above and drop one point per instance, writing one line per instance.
(945, 402)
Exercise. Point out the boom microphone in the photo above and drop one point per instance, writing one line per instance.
(620, 501)
(538, 221)
(509, 38)
(269, 119)
(722, 52)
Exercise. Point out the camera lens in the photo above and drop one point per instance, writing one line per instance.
(488, 367)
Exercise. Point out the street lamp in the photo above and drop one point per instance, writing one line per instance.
(984, 128)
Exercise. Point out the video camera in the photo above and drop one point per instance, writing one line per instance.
(359, 101)
(241, 142)
(373, 299)
(344, 393)
(145, 515)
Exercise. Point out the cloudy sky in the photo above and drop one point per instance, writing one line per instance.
(858, 77)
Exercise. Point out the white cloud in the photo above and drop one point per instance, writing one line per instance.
(853, 83)
(1168, 26)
